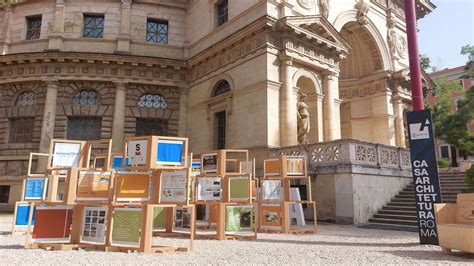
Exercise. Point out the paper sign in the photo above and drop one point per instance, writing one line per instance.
(127, 223)
(53, 223)
(34, 188)
(182, 217)
(239, 219)
(195, 169)
(296, 209)
(209, 163)
(295, 166)
(66, 155)
(209, 188)
(173, 186)
(169, 152)
(137, 152)
(94, 224)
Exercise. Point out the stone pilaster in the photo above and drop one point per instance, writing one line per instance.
(55, 37)
(118, 124)
(399, 126)
(49, 115)
(288, 117)
(320, 118)
(7, 23)
(123, 41)
(332, 117)
(183, 112)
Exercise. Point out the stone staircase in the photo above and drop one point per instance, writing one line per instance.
(400, 212)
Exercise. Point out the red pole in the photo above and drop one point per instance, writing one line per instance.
(415, 69)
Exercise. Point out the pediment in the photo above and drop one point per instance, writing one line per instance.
(317, 28)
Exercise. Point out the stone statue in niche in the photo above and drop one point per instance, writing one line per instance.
(362, 8)
(324, 8)
(303, 120)
(391, 35)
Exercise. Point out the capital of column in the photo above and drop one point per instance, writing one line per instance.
(338, 102)
(120, 85)
(320, 97)
(184, 91)
(51, 83)
(286, 60)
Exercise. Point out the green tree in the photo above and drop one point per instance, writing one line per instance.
(425, 62)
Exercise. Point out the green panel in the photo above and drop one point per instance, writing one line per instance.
(126, 226)
(239, 219)
(159, 217)
(239, 188)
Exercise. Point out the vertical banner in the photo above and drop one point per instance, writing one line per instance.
(425, 173)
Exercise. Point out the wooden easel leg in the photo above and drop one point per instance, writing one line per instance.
(446, 250)
(220, 221)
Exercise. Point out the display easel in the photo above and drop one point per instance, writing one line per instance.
(31, 191)
(280, 203)
(231, 188)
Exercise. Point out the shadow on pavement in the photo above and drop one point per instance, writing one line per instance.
(12, 247)
(323, 243)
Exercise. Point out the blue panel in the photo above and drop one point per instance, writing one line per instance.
(34, 188)
(118, 162)
(169, 152)
(22, 215)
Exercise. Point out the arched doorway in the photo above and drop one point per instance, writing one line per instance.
(366, 111)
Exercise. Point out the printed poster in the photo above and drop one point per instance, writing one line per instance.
(66, 155)
(209, 188)
(34, 188)
(270, 215)
(239, 188)
(195, 169)
(93, 185)
(295, 166)
(272, 190)
(94, 224)
(173, 186)
(239, 219)
(169, 152)
(23, 214)
(127, 223)
(53, 223)
(137, 152)
(209, 163)
(182, 217)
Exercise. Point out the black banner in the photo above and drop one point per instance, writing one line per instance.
(425, 173)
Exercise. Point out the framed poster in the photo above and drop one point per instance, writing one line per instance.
(126, 226)
(272, 190)
(34, 188)
(169, 152)
(22, 215)
(209, 163)
(182, 217)
(195, 169)
(94, 224)
(93, 185)
(173, 186)
(209, 188)
(239, 188)
(272, 167)
(295, 166)
(239, 219)
(270, 215)
(132, 186)
(52, 223)
(66, 155)
(159, 218)
(137, 152)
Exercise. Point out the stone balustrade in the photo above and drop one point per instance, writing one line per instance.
(349, 151)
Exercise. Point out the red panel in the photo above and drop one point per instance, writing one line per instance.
(52, 223)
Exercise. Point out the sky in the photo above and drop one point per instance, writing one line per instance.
(443, 32)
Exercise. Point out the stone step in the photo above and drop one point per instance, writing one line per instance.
(392, 221)
(399, 208)
(397, 212)
(402, 203)
(398, 199)
(395, 217)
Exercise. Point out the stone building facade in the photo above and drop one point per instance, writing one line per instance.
(225, 73)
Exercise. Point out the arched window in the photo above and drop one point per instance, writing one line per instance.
(86, 97)
(153, 101)
(26, 98)
(221, 88)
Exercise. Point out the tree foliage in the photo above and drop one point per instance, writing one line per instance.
(425, 62)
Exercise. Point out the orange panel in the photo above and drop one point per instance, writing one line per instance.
(133, 186)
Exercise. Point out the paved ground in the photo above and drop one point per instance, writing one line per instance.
(332, 245)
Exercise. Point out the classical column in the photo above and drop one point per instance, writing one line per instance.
(320, 118)
(7, 23)
(183, 112)
(399, 126)
(123, 40)
(288, 117)
(56, 35)
(332, 117)
(118, 124)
